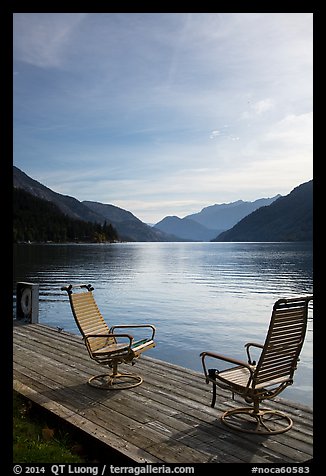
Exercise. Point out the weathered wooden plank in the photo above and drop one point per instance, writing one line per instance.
(302, 449)
(127, 429)
(126, 448)
(148, 422)
(166, 419)
(138, 409)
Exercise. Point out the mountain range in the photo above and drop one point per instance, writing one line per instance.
(211, 221)
(261, 220)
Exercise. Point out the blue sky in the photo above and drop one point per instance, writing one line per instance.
(164, 113)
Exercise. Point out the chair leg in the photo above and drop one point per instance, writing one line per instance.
(116, 380)
(212, 374)
(266, 422)
(258, 421)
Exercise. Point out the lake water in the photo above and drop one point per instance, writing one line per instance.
(200, 296)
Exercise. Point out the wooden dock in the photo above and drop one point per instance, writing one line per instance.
(167, 419)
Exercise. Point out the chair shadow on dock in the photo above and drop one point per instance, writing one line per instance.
(175, 435)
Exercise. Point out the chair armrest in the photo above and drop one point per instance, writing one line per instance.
(71, 286)
(247, 346)
(111, 335)
(130, 326)
(230, 360)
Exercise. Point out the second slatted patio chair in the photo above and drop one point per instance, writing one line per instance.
(269, 376)
(106, 346)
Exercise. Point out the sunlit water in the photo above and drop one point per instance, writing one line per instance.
(200, 296)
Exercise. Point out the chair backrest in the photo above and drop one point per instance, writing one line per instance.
(284, 340)
(89, 319)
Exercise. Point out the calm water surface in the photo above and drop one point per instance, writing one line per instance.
(200, 296)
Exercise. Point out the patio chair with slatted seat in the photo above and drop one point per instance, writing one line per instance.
(106, 346)
(269, 376)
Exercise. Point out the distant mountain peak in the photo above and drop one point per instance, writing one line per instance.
(224, 216)
(185, 228)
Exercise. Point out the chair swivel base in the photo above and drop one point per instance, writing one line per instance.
(117, 381)
(263, 422)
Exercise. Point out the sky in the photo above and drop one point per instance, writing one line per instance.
(164, 113)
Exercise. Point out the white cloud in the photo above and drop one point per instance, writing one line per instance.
(263, 106)
(214, 134)
(295, 130)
